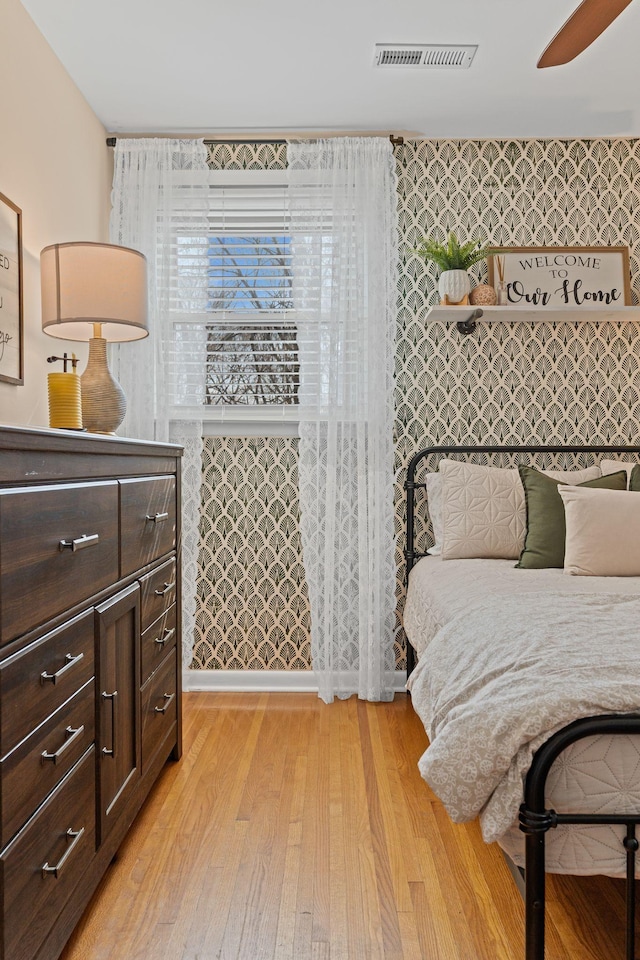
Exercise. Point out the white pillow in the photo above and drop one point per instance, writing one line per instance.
(434, 501)
(483, 511)
(496, 531)
(613, 466)
(603, 532)
(577, 476)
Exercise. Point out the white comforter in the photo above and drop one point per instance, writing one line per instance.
(500, 676)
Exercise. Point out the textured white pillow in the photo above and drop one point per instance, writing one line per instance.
(603, 532)
(613, 466)
(483, 511)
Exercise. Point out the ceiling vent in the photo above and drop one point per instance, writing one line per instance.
(435, 55)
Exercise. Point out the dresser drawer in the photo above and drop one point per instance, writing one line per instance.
(40, 678)
(31, 771)
(43, 864)
(158, 593)
(58, 546)
(158, 708)
(156, 642)
(147, 521)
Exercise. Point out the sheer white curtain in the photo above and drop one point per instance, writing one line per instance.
(160, 191)
(344, 255)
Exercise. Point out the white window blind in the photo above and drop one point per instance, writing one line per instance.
(234, 350)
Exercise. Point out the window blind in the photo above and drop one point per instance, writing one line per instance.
(234, 340)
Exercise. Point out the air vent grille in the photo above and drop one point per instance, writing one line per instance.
(431, 55)
(400, 58)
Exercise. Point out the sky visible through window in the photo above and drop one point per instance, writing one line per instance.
(250, 273)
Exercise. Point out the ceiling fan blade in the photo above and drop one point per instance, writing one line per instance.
(583, 26)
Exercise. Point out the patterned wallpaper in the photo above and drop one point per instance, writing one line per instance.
(506, 383)
(247, 156)
(253, 606)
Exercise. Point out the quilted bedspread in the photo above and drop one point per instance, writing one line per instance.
(497, 679)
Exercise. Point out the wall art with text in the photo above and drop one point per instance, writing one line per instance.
(11, 310)
(557, 277)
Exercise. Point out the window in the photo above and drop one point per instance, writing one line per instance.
(231, 303)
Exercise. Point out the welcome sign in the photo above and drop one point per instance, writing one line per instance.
(558, 277)
(10, 292)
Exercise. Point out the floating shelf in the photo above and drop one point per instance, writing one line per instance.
(465, 317)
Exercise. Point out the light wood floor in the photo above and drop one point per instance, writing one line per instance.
(293, 830)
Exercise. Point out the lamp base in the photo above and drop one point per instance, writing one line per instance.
(103, 401)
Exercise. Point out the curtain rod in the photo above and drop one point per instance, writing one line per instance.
(395, 141)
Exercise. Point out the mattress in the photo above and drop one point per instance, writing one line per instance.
(598, 774)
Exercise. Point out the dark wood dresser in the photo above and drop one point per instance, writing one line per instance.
(90, 658)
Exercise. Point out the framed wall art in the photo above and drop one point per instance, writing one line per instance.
(557, 277)
(11, 308)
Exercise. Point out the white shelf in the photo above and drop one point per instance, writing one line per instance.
(527, 314)
(466, 317)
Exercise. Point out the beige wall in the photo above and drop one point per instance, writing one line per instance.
(55, 165)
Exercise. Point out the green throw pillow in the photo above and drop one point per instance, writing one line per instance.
(546, 531)
(634, 479)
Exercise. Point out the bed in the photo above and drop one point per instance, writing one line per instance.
(527, 676)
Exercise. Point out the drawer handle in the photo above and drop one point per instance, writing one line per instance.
(111, 752)
(86, 540)
(168, 698)
(157, 517)
(165, 589)
(72, 735)
(166, 636)
(70, 660)
(75, 836)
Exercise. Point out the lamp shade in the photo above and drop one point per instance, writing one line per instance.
(88, 283)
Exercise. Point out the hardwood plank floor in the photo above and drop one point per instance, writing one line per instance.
(293, 830)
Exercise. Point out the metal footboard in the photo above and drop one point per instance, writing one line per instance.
(536, 819)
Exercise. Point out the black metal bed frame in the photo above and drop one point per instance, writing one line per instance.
(535, 819)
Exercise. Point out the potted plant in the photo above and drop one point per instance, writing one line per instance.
(453, 259)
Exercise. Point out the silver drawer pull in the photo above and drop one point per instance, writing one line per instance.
(72, 735)
(157, 517)
(111, 751)
(168, 698)
(165, 589)
(75, 836)
(86, 540)
(69, 662)
(166, 636)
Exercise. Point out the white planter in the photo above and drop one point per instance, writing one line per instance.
(454, 284)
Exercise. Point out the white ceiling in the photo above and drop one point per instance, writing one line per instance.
(243, 66)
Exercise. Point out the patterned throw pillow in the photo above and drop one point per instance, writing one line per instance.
(483, 511)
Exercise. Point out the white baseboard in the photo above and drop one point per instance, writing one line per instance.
(263, 681)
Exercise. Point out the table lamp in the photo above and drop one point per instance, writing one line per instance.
(95, 292)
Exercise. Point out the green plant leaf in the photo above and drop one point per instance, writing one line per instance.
(453, 255)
